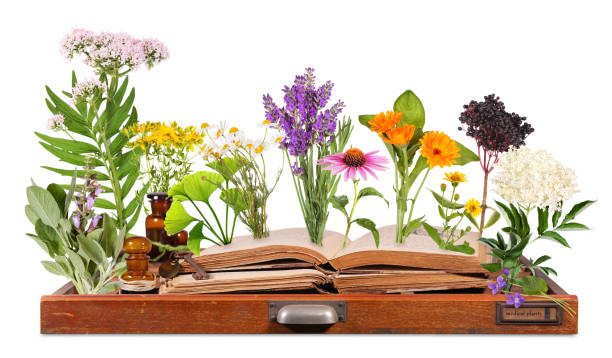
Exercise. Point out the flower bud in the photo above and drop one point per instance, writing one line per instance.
(456, 197)
(443, 187)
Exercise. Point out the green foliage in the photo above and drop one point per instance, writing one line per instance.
(91, 259)
(197, 189)
(407, 169)
(340, 202)
(95, 140)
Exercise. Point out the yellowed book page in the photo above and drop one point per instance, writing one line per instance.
(297, 237)
(416, 242)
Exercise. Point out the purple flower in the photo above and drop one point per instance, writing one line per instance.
(94, 222)
(304, 121)
(76, 220)
(297, 171)
(497, 286)
(91, 200)
(506, 272)
(516, 300)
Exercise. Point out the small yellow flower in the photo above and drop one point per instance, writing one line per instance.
(259, 149)
(205, 125)
(455, 177)
(233, 130)
(266, 122)
(473, 207)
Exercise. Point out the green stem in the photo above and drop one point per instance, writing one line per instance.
(417, 194)
(349, 220)
(223, 234)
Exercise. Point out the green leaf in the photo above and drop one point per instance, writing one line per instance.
(572, 226)
(134, 218)
(80, 173)
(555, 217)
(48, 235)
(492, 219)
(120, 115)
(370, 225)
(59, 195)
(365, 118)
(420, 165)
(54, 268)
(195, 237)
(411, 107)
(445, 202)
(121, 139)
(542, 259)
(466, 155)
(108, 239)
(410, 227)
(104, 204)
(92, 250)
(369, 191)
(31, 214)
(577, 209)
(227, 166)
(41, 243)
(71, 158)
(234, 198)
(109, 288)
(128, 184)
(44, 205)
(73, 121)
(69, 144)
(473, 221)
(555, 236)
(532, 285)
(76, 261)
(433, 233)
(494, 267)
(201, 185)
(177, 218)
(339, 203)
(542, 220)
(177, 192)
(464, 248)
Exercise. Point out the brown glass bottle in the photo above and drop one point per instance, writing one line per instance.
(160, 203)
(137, 262)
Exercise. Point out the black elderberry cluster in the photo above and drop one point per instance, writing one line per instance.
(494, 129)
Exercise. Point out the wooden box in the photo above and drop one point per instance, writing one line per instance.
(448, 313)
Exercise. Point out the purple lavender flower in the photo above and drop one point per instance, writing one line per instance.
(497, 286)
(516, 300)
(304, 121)
(296, 170)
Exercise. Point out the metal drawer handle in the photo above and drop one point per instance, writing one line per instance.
(307, 312)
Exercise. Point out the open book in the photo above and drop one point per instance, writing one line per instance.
(284, 247)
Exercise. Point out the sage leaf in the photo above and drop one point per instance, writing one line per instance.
(92, 250)
(54, 268)
(44, 205)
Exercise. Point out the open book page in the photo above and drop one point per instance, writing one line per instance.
(419, 250)
(280, 245)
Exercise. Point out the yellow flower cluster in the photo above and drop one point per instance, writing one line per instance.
(160, 134)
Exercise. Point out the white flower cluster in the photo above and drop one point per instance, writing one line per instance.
(56, 122)
(84, 90)
(533, 178)
(223, 141)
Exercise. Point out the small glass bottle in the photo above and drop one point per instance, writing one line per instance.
(154, 223)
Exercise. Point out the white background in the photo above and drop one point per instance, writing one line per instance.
(549, 61)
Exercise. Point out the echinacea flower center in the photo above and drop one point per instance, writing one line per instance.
(354, 158)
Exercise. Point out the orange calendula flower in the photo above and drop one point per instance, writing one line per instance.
(399, 135)
(439, 149)
(385, 122)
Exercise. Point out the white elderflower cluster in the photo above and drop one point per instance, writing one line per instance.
(533, 178)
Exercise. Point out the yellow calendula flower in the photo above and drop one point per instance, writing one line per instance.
(473, 207)
(455, 177)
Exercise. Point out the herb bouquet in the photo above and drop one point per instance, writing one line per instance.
(310, 133)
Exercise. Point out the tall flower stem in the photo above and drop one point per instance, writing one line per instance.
(416, 195)
(484, 201)
(349, 219)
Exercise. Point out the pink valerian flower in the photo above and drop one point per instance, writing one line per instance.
(87, 89)
(113, 52)
(56, 122)
(353, 162)
(154, 50)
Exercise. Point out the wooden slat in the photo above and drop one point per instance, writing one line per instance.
(248, 313)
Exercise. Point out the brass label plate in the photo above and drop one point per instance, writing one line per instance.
(531, 313)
